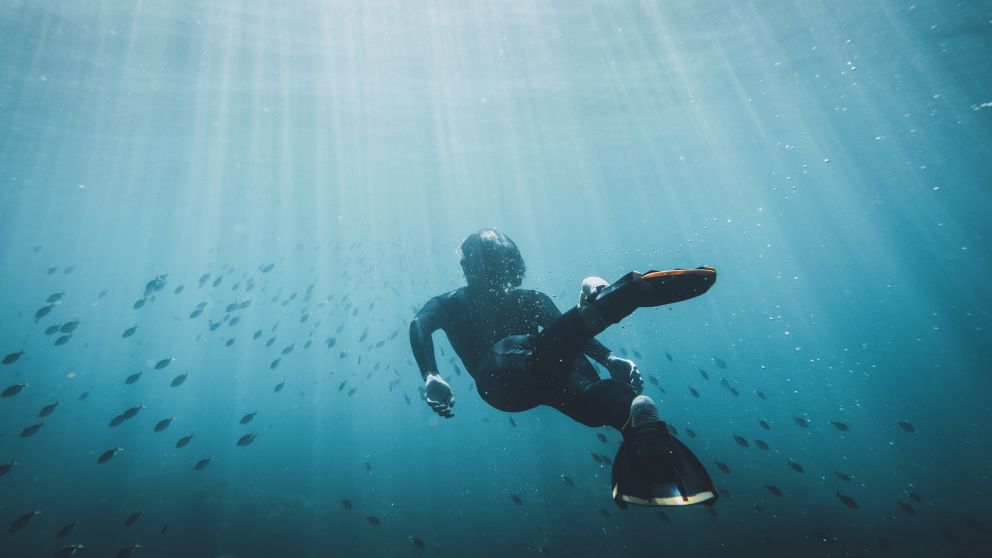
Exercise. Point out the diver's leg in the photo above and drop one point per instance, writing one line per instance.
(591, 401)
(601, 305)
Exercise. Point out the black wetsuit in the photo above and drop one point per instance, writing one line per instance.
(517, 367)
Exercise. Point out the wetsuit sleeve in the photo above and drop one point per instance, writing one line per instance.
(548, 312)
(430, 319)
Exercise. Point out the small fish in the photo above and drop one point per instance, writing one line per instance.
(723, 467)
(720, 362)
(975, 525)
(690, 432)
(368, 466)
(637, 355)
(13, 357)
(69, 327)
(108, 455)
(417, 542)
(653, 380)
(202, 463)
(131, 519)
(22, 521)
(761, 395)
(662, 516)
(138, 304)
(796, 467)
(279, 387)
(735, 393)
(62, 340)
(516, 499)
(840, 426)
(248, 418)
(6, 467)
(179, 380)
(128, 550)
(906, 507)
(116, 421)
(184, 441)
(843, 476)
(132, 412)
(163, 363)
(47, 409)
(352, 391)
(84, 395)
(803, 423)
(693, 391)
(905, 425)
(54, 297)
(513, 423)
(42, 312)
(52, 329)
(373, 521)
(704, 374)
(742, 442)
(245, 440)
(598, 458)
(64, 532)
(773, 490)
(725, 493)
(32, 430)
(847, 501)
(274, 364)
(761, 444)
(163, 424)
(914, 496)
(164, 528)
(601, 437)
(668, 355)
(764, 424)
(604, 513)
(132, 378)
(346, 504)
(568, 481)
(195, 313)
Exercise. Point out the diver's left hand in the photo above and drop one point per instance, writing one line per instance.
(626, 371)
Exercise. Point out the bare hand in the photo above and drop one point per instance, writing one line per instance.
(626, 371)
(438, 395)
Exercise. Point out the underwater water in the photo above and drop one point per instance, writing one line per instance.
(214, 209)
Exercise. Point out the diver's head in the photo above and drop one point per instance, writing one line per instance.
(491, 261)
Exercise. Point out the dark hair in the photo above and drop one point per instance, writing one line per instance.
(491, 260)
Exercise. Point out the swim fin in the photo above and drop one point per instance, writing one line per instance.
(654, 288)
(653, 468)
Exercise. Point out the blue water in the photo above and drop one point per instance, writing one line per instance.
(832, 160)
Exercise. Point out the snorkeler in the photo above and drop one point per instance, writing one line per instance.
(493, 326)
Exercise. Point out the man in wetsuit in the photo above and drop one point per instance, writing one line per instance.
(522, 352)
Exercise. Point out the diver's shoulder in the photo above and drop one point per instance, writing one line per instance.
(456, 295)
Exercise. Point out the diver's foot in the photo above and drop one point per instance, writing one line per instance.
(610, 304)
(642, 411)
(591, 286)
(652, 468)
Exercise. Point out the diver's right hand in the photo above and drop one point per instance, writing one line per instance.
(438, 394)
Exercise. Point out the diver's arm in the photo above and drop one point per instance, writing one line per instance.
(426, 322)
